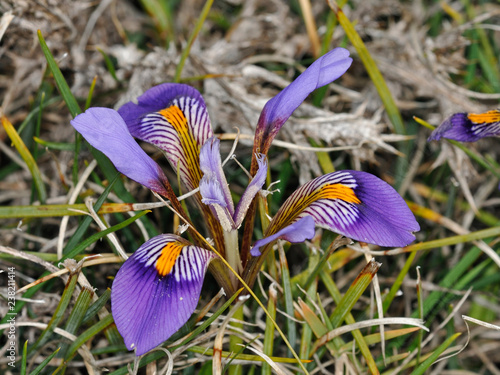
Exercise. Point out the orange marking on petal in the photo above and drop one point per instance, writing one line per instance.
(294, 208)
(487, 117)
(338, 191)
(176, 118)
(167, 258)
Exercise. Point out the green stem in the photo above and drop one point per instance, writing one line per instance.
(233, 254)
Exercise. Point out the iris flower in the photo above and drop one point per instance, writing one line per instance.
(468, 127)
(157, 289)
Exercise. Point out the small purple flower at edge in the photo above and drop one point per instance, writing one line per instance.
(157, 289)
(468, 127)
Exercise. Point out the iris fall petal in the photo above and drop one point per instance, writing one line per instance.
(355, 204)
(174, 118)
(105, 130)
(157, 289)
(468, 127)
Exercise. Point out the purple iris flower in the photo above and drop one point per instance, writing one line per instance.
(468, 127)
(158, 287)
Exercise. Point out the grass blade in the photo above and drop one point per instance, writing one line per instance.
(425, 365)
(27, 157)
(61, 83)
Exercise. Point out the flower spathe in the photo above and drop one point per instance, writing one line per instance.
(468, 127)
(157, 289)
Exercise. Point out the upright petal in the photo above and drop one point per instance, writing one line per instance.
(174, 118)
(326, 69)
(299, 231)
(252, 189)
(355, 204)
(105, 130)
(157, 289)
(468, 127)
(211, 166)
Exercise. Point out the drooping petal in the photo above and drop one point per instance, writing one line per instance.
(105, 130)
(252, 189)
(468, 127)
(157, 289)
(355, 204)
(326, 69)
(299, 231)
(211, 166)
(175, 119)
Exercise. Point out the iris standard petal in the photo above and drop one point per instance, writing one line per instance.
(468, 127)
(105, 130)
(174, 118)
(157, 289)
(326, 69)
(252, 189)
(211, 166)
(299, 231)
(355, 204)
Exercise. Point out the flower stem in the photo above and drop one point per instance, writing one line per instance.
(233, 254)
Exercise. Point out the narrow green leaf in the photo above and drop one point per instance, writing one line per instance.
(398, 282)
(90, 240)
(109, 65)
(61, 83)
(358, 336)
(55, 145)
(45, 362)
(354, 293)
(373, 71)
(27, 157)
(192, 37)
(209, 321)
(425, 365)
(82, 228)
(287, 289)
(79, 310)
(24, 358)
(96, 306)
(91, 92)
(88, 334)
(58, 313)
(160, 12)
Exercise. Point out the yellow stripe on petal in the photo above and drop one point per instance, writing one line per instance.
(167, 258)
(338, 191)
(487, 117)
(306, 195)
(191, 148)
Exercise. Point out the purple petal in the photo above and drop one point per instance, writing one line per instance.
(252, 189)
(299, 231)
(174, 118)
(157, 289)
(211, 166)
(326, 69)
(105, 130)
(355, 204)
(468, 127)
